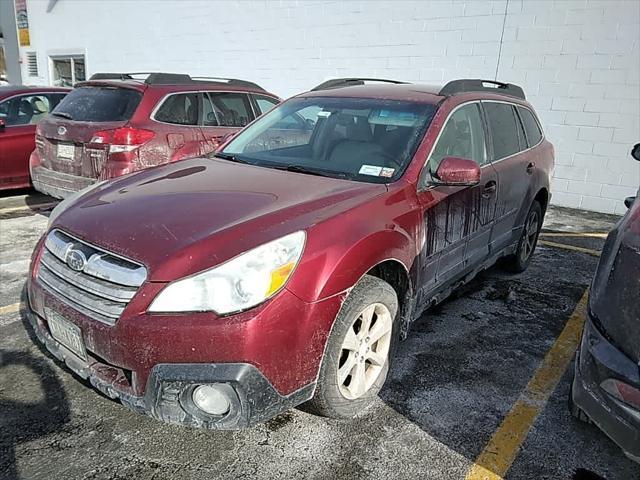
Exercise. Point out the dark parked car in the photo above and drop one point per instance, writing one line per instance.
(21, 108)
(115, 124)
(606, 386)
(220, 291)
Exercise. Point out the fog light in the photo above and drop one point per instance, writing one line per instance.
(211, 399)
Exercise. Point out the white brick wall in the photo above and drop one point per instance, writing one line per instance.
(578, 60)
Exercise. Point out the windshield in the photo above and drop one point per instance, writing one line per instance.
(368, 140)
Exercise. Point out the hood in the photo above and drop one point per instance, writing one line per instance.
(184, 217)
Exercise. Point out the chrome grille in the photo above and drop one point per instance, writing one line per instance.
(100, 286)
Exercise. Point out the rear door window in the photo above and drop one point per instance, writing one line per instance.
(231, 109)
(99, 104)
(179, 109)
(504, 133)
(531, 127)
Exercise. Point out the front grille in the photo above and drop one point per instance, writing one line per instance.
(93, 281)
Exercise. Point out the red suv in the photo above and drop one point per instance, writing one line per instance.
(21, 108)
(220, 291)
(115, 124)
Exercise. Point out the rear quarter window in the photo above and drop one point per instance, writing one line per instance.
(531, 126)
(99, 104)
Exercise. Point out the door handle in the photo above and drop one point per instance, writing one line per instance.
(531, 167)
(489, 189)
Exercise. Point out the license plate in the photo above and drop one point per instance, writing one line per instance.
(66, 151)
(66, 333)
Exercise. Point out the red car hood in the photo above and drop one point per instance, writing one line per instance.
(184, 217)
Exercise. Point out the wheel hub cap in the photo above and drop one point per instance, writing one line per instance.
(364, 352)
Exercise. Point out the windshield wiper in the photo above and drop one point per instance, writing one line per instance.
(231, 158)
(310, 171)
(62, 114)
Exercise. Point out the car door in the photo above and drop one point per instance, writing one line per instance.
(177, 119)
(457, 220)
(223, 113)
(514, 169)
(17, 139)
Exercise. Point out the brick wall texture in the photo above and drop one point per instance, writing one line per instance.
(577, 60)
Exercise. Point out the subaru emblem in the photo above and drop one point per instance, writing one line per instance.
(62, 130)
(76, 260)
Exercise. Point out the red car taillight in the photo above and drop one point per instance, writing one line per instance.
(622, 391)
(123, 139)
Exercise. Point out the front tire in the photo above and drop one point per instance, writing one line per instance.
(361, 343)
(519, 261)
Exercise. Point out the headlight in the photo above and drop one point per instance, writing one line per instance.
(242, 282)
(64, 204)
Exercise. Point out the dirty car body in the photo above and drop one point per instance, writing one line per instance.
(116, 124)
(606, 385)
(134, 275)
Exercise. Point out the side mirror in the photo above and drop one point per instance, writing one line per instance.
(457, 171)
(635, 152)
(628, 202)
(2, 124)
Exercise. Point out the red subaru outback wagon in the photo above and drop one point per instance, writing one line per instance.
(220, 291)
(117, 123)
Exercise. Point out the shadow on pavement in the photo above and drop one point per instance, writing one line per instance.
(23, 421)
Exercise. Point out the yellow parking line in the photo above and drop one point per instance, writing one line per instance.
(574, 234)
(27, 208)
(595, 253)
(9, 309)
(502, 449)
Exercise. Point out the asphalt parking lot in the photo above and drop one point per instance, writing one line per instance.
(449, 409)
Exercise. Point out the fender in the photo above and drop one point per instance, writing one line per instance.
(329, 276)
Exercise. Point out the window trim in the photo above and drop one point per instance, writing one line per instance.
(29, 94)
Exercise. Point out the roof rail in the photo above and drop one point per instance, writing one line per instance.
(478, 85)
(111, 76)
(231, 81)
(159, 78)
(349, 82)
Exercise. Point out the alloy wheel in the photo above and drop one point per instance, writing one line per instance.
(365, 350)
(530, 234)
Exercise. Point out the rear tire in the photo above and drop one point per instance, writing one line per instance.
(519, 261)
(358, 351)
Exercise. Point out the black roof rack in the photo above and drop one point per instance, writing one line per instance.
(478, 85)
(158, 78)
(350, 82)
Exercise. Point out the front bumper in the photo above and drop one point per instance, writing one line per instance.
(252, 397)
(597, 361)
(57, 184)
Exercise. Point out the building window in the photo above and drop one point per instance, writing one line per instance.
(32, 64)
(67, 71)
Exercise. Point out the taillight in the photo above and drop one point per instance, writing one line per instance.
(123, 139)
(622, 391)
